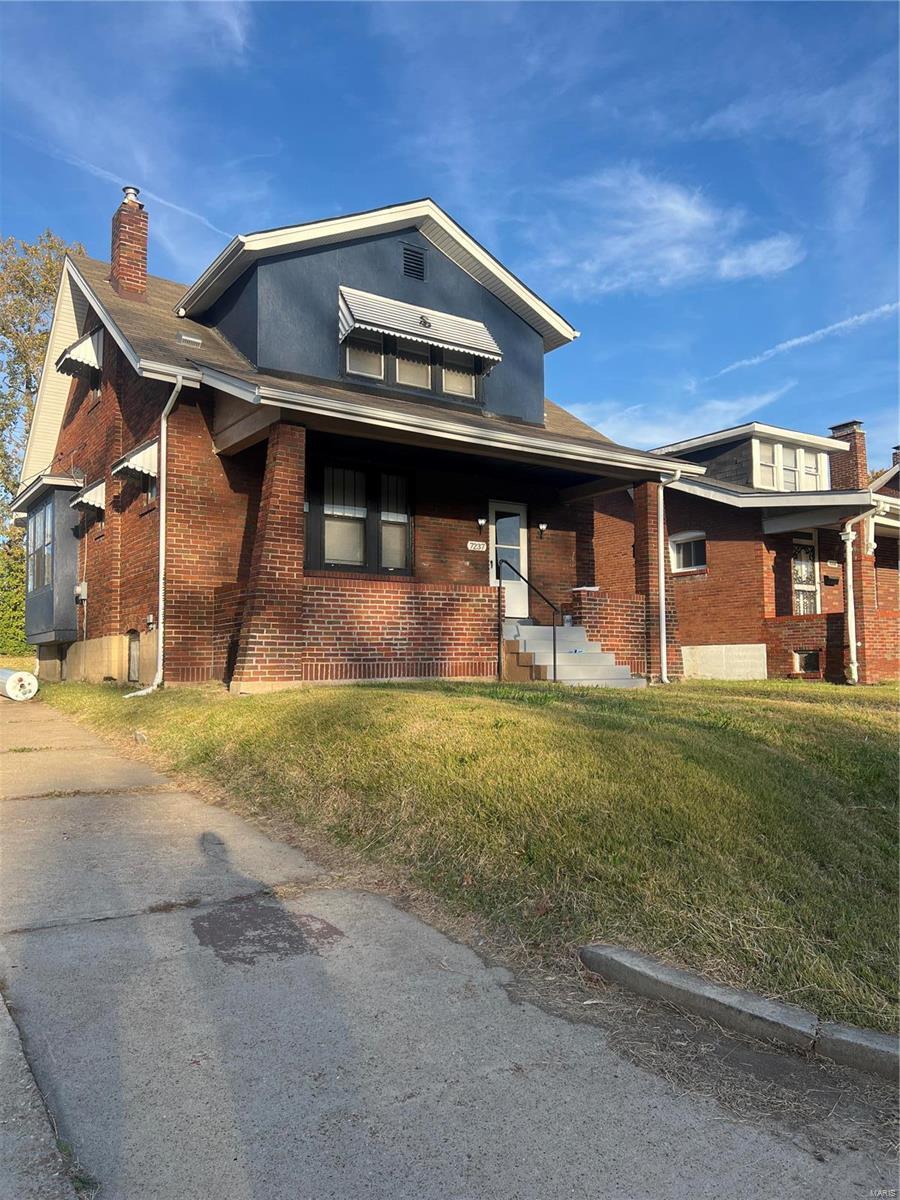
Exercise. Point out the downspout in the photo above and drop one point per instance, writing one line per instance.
(161, 597)
(661, 570)
(848, 537)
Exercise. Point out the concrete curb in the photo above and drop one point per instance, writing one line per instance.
(746, 1012)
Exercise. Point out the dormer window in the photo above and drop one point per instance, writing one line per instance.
(365, 355)
(786, 468)
(459, 374)
(413, 365)
(767, 476)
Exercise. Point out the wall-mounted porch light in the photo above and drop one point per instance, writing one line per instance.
(542, 528)
(481, 522)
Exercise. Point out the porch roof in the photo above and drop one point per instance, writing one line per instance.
(388, 416)
(784, 511)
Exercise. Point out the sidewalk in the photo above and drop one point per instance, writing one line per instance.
(207, 1018)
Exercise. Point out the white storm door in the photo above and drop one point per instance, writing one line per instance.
(509, 546)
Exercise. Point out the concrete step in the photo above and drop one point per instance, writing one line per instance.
(579, 662)
(633, 681)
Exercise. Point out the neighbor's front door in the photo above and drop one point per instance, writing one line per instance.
(509, 545)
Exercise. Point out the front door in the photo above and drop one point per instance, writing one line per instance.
(509, 545)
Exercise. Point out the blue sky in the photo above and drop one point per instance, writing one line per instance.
(697, 187)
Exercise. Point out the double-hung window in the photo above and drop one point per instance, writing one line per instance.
(39, 565)
(345, 515)
(767, 473)
(360, 521)
(791, 461)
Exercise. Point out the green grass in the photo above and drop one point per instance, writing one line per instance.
(746, 830)
(17, 662)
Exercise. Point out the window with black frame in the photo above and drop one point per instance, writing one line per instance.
(359, 520)
(39, 546)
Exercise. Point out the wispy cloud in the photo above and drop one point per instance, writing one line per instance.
(90, 168)
(629, 230)
(659, 424)
(809, 339)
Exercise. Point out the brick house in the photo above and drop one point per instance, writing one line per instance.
(313, 464)
(782, 559)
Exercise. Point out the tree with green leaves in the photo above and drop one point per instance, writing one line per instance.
(29, 278)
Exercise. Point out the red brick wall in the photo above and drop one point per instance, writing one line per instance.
(614, 538)
(397, 629)
(211, 515)
(887, 576)
(617, 623)
(882, 648)
(823, 632)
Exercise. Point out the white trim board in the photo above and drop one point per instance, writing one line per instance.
(754, 429)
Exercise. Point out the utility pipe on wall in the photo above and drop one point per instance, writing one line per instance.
(661, 570)
(161, 596)
(848, 537)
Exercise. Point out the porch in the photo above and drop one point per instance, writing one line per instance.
(369, 558)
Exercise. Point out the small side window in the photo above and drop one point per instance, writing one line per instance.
(688, 551)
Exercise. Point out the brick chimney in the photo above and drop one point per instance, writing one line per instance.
(849, 469)
(895, 455)
(128, 257)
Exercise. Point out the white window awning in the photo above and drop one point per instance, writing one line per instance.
(378, 314)
(83, 356)
(142, 460)
(93, 496)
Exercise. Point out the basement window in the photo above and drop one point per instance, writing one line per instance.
(688, 551)
(806, 662)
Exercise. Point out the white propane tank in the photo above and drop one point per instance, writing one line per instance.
(17, 685)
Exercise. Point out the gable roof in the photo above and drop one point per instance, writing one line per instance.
(153, 339)
(752, 429)
(885, 476)
(432, 222)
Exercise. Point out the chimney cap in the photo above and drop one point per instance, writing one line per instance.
(846, 427)
(131, 194)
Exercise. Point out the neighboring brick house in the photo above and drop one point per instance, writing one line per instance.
(307, 466)
(762, 550)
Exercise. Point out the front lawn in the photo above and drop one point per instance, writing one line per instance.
(746, 830)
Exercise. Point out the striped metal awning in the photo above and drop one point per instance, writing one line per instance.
(378, 314)
(83, 356)
(142, 460)
(93, 496)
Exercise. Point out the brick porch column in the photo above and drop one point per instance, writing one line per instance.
(865, 597)
(646, 581)
(272, 636)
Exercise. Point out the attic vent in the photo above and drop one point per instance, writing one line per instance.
(413, 262)
(188, 339)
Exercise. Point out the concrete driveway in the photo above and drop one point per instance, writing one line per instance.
(197, 1035)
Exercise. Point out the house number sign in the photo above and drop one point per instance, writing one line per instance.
(476, 545)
